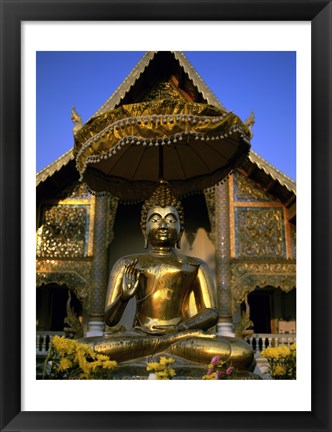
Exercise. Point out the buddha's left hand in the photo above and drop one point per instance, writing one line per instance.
(172, 327)
(163, 329)
(169, 328)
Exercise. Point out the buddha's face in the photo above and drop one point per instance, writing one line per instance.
(163, 227)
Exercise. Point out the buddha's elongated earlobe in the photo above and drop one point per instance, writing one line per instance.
(145, 243)
(178, 241)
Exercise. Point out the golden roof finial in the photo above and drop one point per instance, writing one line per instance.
(76, 119)
(250, 123)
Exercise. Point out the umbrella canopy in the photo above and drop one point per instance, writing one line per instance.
(127, 151)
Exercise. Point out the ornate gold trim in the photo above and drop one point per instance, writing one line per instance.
(257, 204)
(72, 280)
(247, 276)
(75, 274)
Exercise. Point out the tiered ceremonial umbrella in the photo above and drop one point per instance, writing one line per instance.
(128, 150)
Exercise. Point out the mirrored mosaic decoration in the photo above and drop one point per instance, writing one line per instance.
(246, 189)
(260, 232)
(64, 231)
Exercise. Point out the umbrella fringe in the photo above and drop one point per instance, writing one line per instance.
(239, 163)
(134, 140)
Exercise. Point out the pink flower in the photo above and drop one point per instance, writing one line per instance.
(229, 370)
(215, 360)
(218, 375)
(209, 372)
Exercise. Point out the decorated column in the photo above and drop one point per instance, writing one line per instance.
(222, 245)
(105, 209)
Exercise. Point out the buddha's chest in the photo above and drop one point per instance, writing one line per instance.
(166, 282)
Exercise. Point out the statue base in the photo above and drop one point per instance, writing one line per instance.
(185, 370)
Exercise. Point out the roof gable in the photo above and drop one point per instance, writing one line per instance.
(54, 167)
(150, 71)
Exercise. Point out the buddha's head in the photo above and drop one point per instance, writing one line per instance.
(162, 218)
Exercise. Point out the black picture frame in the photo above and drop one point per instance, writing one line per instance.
(13, 12)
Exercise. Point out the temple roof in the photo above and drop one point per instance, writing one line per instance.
(55, 166)
(272, 172)
(147, 72)
(57, 175)
(170, 73)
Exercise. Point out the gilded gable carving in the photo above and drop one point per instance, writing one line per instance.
(78, 190)
(64, 231)
(164, 90)
(259, 233)
(247, 190)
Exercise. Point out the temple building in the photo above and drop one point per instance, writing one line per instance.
(244, 228)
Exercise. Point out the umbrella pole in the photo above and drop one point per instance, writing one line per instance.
(161, 162)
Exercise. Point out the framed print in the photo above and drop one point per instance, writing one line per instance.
(29, 404)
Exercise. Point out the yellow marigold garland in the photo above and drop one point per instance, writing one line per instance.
(69, 359)
(162, 368)
(282, 361)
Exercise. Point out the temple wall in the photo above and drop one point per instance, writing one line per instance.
(64, 248)
(260, 248)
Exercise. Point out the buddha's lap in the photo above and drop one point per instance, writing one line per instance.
(195, 348)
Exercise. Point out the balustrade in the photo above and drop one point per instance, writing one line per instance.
(43, 340)
(260, 341)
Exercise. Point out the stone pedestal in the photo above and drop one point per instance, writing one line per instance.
(262, 368)
(96, 328)
(225, 329)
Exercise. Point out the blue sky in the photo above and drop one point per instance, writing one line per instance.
(263, 82)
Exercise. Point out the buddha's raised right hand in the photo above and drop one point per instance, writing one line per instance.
(130, 280)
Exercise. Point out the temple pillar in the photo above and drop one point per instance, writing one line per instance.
(99, 267)
(223, 273)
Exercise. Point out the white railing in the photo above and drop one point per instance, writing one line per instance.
(260, 341)
(43, 340)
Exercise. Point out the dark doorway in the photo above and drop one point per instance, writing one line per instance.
(260, 311)
(51, 307)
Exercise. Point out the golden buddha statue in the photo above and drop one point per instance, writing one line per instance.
(176, 306)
